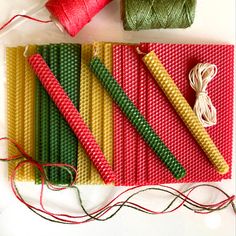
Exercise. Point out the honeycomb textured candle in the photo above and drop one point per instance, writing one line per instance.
(72, 116)
(136, 118)
(185, 111)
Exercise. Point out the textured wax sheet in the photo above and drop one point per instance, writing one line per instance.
(118, 119)
(108, 110)
(130, 137)
(19, 102)
(178, 60)
(84, 163)
(55, 117)
(101, 124)
(11, 99)
(72, 116)
(21, 87)
(69, 80)
(185, 112)
(96, 110)
(37, 132)
(129, 148)
(55, 141)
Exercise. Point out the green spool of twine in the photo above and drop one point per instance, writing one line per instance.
(157, 14)
(136, 118)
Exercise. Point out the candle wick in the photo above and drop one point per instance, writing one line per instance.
(26, 51)
(139, 51)
(95, 50)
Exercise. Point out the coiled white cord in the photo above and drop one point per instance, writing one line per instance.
(199, 78)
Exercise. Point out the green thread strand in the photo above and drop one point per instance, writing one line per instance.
(156, 14)
(69, 80)
(55, 117)
(135, 117)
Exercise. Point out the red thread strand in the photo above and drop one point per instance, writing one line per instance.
(75, 14)
(98, 214)
(72, 116)
(24, 16)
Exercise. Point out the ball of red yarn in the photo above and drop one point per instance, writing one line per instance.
(75, 14)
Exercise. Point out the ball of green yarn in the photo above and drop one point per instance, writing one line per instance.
(156, 14)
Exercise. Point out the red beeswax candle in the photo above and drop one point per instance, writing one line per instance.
(72, 116)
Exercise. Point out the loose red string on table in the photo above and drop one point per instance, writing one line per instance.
(98, 214)
(104, 210)
(24, 16)
(40, 167)
(73, 15)
(72, 116)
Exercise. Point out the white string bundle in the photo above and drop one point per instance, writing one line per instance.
(199, 78)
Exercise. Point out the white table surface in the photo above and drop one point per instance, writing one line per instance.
(214, 23)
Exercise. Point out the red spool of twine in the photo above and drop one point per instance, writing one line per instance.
(73, 15)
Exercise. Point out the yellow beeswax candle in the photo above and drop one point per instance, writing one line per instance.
(185, 112)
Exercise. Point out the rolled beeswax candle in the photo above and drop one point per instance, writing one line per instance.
(136, 118)
(72, 116)
(185, 112)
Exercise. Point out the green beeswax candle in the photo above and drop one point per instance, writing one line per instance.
(136, 118)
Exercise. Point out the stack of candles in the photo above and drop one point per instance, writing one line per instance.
(136, 133)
